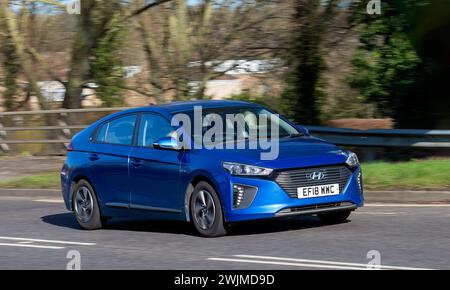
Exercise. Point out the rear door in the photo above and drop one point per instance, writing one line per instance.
(155, 174)
(108, 155)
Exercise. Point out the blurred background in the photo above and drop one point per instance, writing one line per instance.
(380, 69)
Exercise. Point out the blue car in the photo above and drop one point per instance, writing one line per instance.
(135, 163)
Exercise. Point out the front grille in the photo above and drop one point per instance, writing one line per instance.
(292, 179)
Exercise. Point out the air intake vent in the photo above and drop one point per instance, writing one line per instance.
(243, 195)
(360, 182)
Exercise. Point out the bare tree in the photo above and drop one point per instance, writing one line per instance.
(97, 19)
(188, 43)
(9, 22)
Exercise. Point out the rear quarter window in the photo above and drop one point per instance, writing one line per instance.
(118, 131)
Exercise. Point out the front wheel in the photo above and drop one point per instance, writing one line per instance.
(206, 211)
(86, 207)
(334, 217)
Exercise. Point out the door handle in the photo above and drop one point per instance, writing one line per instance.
(136, 163)
(93, 157)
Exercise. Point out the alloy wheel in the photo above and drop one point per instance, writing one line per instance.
(204, 209)
(84, 205)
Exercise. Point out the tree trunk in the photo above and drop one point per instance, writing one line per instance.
(82, 46)
(301, 98)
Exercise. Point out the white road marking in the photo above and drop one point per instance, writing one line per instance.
(47, 241)
(56, 200)
(307, 263)
(31, 246)
(404, 205)
(327, 262)
(284, 264)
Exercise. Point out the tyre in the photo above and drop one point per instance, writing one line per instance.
(334, 217)
(206, 211)
(85, 206)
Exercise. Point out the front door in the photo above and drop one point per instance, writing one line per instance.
(154, 173)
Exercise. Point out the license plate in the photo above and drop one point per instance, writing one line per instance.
(318, 191)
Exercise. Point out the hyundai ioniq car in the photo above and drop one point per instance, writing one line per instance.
(134, 163)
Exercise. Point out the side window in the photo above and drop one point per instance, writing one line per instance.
(153, 127)
(101, 133)
(118, 131)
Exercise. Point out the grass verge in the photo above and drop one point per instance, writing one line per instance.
(433, 174)
(411, 175)
(45, 180)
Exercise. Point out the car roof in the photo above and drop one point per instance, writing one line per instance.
(176, 107)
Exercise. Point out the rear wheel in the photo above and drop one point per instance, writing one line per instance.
(334, 217)
(206, 211)
(86, 207)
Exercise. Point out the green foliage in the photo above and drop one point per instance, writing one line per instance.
(392, 71)
(385, 71)
(106, 67)
(387, 63)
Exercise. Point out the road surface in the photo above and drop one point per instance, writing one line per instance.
(38, 233)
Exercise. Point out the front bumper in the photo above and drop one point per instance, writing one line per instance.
(272, 201)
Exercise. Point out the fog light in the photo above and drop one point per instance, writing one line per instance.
(243, 195)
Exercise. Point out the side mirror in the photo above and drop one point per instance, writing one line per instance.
(167, 143)
(303, 130)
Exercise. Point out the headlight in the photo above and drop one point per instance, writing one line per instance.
(242, 169)
(352, 160)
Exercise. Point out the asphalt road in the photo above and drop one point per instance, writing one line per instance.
(37, 233)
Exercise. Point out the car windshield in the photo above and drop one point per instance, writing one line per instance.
(242, 123)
